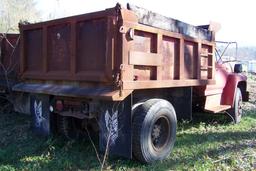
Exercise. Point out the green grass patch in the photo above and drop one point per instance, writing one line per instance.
(209, 142)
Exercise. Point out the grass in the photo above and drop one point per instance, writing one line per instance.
(209, 142)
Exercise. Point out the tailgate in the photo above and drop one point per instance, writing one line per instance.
(78, 48)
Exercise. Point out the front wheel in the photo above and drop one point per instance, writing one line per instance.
(236, 112)
(154, 130)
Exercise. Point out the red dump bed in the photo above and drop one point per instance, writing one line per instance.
(114, 48)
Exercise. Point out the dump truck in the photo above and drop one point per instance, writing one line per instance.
(124, 74)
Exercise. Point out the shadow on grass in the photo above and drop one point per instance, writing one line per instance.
(20, 149)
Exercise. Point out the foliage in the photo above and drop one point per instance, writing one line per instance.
(14, 11)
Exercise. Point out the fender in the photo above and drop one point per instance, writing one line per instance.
(228, 95)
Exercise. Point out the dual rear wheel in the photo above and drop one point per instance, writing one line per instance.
(154, 130)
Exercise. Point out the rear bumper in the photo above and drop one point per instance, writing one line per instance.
(102, 93)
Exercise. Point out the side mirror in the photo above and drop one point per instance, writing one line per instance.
(238, 68)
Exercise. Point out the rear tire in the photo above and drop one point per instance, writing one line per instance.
(154, 130)
(236, 112)
(67, 127)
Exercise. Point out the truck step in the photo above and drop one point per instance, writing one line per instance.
(217, 109)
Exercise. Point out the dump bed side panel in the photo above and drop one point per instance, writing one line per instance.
(156, 58)
(78, 48)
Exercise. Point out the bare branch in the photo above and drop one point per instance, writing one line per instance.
(106, 151)
(95, 149)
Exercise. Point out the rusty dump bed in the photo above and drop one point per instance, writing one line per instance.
(9, 60)
(110, 53)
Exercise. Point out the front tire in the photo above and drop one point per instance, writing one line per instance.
(154, 130)
(236, 112)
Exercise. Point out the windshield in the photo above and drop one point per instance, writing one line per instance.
(225, 51)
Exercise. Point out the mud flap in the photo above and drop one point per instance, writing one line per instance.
(115, 128)
(39, 109)
(181, 99)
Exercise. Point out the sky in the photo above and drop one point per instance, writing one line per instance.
(237, 17)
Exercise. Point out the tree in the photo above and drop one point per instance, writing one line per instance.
(14, 11)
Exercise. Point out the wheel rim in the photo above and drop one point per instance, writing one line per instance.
(239, 111)
(160, 133)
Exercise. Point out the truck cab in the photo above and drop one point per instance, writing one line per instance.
(228, 91)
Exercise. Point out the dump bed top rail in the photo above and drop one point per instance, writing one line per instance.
(156, 20)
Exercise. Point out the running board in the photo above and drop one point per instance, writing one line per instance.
(217, 109)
